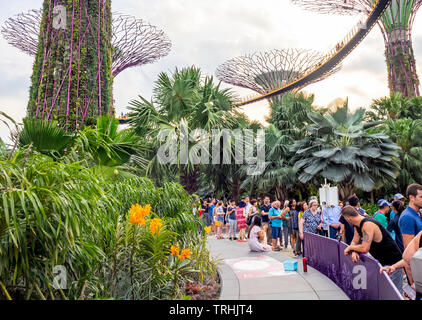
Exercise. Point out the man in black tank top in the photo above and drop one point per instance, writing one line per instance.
(371, 237)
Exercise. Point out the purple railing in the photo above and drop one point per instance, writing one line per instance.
(327, 256)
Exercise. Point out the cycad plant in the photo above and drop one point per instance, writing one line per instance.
(45, 137)
(339, 147)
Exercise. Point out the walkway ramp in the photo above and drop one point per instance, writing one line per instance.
(249, 275)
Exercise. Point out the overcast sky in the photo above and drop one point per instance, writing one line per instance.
(206, 33)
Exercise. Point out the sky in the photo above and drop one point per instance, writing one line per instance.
(206, 33)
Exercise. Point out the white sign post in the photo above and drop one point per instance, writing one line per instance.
(328, 195)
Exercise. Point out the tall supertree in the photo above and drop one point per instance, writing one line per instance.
(263, 72)
(72, 79)
(134, 41)
(396, 26)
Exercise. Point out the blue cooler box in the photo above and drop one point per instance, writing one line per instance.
(290, 265)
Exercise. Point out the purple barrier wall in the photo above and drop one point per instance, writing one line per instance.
(327, 256)
(346, 273)
(387, 289)
(322, 254)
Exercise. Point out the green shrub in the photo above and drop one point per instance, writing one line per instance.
(370, 208)
(65, 214)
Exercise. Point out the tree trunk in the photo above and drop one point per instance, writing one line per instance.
(304, 191)
(235, 189)
(281, 193)
(346, 190)
(189, 180)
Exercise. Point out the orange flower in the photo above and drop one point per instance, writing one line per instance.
(155, 225)
(138, 214)
(174, 250)
(147, 210)
(185, 254)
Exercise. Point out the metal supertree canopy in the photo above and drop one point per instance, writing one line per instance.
(341, 7)
(266, 71)
(134, 41)
(396, 26)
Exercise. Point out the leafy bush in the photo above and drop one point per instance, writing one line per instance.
(370, 208)
(65, 214)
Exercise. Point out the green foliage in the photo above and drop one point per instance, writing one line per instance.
(45, 137)
(183, 102)
(108, 146)
(395, 107)
(63, 214)
(370, 208)
(403, 118)
(339, 148)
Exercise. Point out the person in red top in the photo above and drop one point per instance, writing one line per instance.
(241, 220)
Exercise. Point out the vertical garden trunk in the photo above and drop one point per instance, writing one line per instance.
(401, 64)
(72, 79)
(396, 26)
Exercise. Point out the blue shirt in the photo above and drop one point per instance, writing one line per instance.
(410, 222)
(286, 222)
(333, 215)
(325, 222)
(211, 210)
(275, 223)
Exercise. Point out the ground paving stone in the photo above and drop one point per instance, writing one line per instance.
(249, 275)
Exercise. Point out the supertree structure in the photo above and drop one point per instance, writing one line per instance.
(263, 72)
(134, 41)
(396, 27)
(72, 79)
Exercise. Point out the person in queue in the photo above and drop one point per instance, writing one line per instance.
(371, 237)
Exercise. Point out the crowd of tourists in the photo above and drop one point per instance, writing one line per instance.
(392, 235)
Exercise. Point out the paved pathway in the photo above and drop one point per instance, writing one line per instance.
(249, 275)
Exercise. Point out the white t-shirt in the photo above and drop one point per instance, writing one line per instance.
(248, 207)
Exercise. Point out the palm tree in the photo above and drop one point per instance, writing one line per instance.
(279, 175)
(339, 147)
(406, 134)
(292, 112)
(103, 148)
(395, 107)
(184, 101)
(224, 180)
(288, 124)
